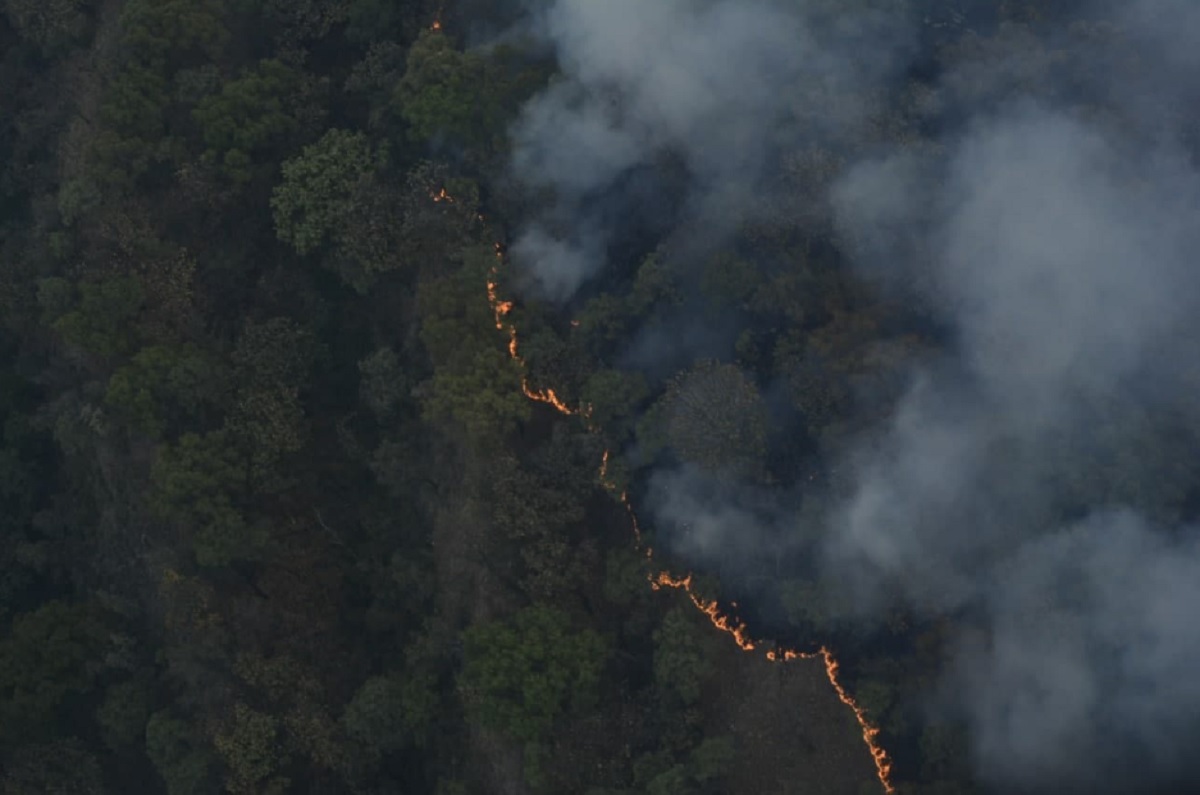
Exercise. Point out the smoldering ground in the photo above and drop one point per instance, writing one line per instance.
(1034, 480)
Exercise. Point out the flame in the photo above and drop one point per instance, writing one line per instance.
(724, 621)
(870, 732)
(736, 629)
(547, 396)
(624, 500)
(711, 608)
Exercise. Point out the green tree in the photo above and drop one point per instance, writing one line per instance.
(100, 317)
(166, 387)
(249, 745)
(184, 764)
(710, 760)
(476, 384)
(716, 418)
(157, 38)
(123, 714)
(259, 110)
(680, 663)
(613, 397)
(164, 33)
(522, 674)
(52, 25)
(315, 201)
(728, 282)
(383, 385)
(272, 363)
(392, 712)
(330, 200)
(447, 94)
(62, 767)
(197, 482)
(52, 655)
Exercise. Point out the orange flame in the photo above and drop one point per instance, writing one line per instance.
(737, 630)
(725, 622)
(437, 25)
(500, 310)
(624, 500)
(547, 396)
(883, 764)
(711, 608)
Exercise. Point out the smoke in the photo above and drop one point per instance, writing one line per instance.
(1060, 250)
(711, 83)
(1063, 264)
(1086, 674)
(1032, 479)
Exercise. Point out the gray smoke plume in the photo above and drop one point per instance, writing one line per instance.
(1065, 266)
(1031, 479)
(1062, 253)
(714, 83)
(1085, 676)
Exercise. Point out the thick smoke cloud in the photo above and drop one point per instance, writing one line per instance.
(1065, 266)
(697, 80)
(1086, 676)
(1062, 256)
(1055, 241)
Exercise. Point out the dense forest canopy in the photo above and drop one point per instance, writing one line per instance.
(437, 396)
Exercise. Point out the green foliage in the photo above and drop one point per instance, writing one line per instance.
(463, 99)
(728, 281)
(51, 655)
(701, 771)
(614, 397)
(804, 602)
(286, 486)
(625, 580)
(62, 767)
(157, 37)
(196, 482)
(249, 746)
(52, 25)
(275, 352)
(330, 201)
(272, 362)
(167, 387)
(536, 512)
(446, 93)
(250, 114)
(680, 663)
(383, 384)
(389, 713)
(716, 418)
(522, 674)
(185, 766)
(123, 715)
(315, 201)
(103, 315)
(710, 760)
(159, 33)
(475, 385)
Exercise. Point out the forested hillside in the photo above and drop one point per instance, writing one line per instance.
(374, 374)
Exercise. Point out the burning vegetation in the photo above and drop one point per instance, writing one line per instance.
(720, 618)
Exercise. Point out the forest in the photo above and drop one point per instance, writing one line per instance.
(643, 397)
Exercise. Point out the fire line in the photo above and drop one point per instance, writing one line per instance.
(722, 620)
(736, 629)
